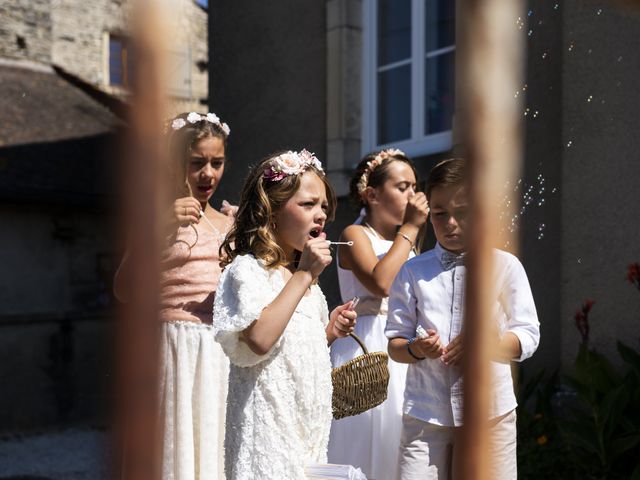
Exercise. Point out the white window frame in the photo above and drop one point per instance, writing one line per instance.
(419, 144)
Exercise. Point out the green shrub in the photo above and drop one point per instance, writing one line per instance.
(585, 425)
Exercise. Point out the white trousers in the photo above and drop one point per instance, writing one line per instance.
(429, 452)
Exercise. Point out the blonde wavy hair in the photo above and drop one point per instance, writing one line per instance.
(253, 231)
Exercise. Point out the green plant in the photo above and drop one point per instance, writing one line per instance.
(542, 451)
(602, 428)
(592, 430)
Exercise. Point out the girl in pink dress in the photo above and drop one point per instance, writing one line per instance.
(193, 369)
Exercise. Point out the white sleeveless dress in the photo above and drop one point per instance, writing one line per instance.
(370, 440)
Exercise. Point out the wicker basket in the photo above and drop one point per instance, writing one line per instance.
(361, 383)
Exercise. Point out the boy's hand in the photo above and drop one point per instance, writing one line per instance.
(430, 347)
(453, 352)
(342, 320)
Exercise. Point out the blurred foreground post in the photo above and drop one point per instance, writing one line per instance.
(491, 68)
(142, 167)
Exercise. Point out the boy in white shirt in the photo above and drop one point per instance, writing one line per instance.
(428, 295)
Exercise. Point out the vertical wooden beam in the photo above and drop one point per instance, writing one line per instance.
(491, 65)
(143, 160)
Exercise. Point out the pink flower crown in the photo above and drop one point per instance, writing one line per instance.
(193, 117)
(290, 163)
(379, 159)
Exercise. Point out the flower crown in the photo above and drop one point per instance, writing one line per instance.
(194, 117)
(378, 160)
(290, 163)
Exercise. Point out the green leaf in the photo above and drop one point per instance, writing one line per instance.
(583, 389)
(630, 356)
(582, 434)
(612, 408)
(622, 445)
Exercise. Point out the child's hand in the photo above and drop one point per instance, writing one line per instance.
(186, 210)
(417, 210)
(453, 352)
(430, 347)
(342, 320)
(315, 256)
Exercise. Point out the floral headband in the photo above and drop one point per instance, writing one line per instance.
(379, 159)
(290, 163)
(194, 117)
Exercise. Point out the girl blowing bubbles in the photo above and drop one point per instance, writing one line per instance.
(393, 212)
(272, 320)
(193, 368)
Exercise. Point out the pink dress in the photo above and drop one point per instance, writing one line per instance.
(193, 368)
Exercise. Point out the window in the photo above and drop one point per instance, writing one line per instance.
(408, 72)
(118, 61)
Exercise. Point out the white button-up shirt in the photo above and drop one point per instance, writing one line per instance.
(424, 293)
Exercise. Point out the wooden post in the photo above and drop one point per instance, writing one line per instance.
(137, 397)
(491, 65)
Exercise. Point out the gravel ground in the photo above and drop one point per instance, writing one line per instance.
(72, 454)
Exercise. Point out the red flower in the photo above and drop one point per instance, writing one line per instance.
(582, 319)
(633, 274)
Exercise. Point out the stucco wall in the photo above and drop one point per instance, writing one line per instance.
(600, 173)
(268, 77)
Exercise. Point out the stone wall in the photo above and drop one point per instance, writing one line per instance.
(25, 30)
(55, 326)
(78, 35)
(74, 35)
(81, 30)
(54, 260)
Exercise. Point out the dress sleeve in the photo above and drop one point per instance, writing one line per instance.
(244, 291)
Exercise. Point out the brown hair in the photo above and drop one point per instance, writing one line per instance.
(252, 231)
(180, 142)
(377, 176)
(445, 174)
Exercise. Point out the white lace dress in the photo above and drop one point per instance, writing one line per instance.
(279, 404)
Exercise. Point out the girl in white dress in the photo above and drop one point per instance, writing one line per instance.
(193, 369)
(272, 321)
(384, 237)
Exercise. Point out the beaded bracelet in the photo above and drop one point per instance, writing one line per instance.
(411, 340)
(406, 237)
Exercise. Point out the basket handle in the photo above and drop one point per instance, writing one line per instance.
(360, 342)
